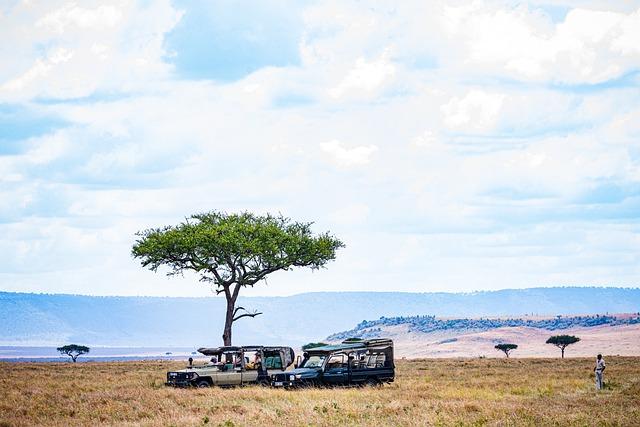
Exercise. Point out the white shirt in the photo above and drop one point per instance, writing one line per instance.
(600, 364)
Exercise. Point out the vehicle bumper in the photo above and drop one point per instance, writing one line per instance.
(179, 384)
(283, 383)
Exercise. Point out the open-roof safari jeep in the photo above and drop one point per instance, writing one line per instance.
(359, 362)
(232, 366)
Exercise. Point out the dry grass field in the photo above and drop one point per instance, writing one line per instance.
(621, 340)
(477, 392)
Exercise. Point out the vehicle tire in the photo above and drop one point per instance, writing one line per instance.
(203, 384)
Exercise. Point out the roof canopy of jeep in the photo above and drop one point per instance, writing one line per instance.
(352, 345)
(212, 351)
(287, 352)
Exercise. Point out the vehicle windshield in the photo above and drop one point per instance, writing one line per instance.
(314, 361)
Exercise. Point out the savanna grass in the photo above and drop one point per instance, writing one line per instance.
(474, 392)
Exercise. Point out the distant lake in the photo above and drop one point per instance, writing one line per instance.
(97, 354)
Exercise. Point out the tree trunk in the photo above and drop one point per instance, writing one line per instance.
(562, 349)
(74, 358)
(228, 322)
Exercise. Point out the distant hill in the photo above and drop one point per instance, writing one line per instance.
(42, 319)
(427, 324)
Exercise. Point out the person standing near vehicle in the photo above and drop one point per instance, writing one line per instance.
(599, 371)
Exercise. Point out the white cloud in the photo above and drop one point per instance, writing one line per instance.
(78, 41)
(477, 111)
(427, 140)
(72, 15)
(588, 46)
(365, 77)
(40, 69)
(481, 38)
(48, 148)
(348, 157)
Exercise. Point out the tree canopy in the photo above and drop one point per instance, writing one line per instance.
(73, 350)
(232, 251)
(506, 348)
(562, 341)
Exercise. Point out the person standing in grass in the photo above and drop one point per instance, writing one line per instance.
(599, 370)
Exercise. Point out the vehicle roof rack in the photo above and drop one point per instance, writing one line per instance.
(352, 344)
(211, 351)
(369, 342)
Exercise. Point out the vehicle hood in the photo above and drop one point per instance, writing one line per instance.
(305, 372)
(206, 369)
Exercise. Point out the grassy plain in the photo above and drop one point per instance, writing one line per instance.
(478, 392)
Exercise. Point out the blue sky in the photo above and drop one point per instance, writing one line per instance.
(453, 146)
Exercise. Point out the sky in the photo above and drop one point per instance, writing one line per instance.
(453, 146)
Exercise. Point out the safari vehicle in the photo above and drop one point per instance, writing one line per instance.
(233, 366)
(354, 362)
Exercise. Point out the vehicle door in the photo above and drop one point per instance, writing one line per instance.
(249, 376)
(358, 364)
(336, 369)
(231, 371)
(227, 377)
(249, 369)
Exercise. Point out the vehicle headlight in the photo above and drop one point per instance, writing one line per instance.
(298, 376)
(292, 377)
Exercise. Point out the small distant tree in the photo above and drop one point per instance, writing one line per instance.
(562, 341)
(506, 348)
(73, 350)
(313, 345)
(353, 339)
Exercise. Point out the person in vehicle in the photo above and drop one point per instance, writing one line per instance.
(255, 364)
(257, 361)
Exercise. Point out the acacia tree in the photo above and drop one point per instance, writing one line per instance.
(73, 350)
(562, 341)
(506, 348)
(234, 251)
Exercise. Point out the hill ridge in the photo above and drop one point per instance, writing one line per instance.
(428, 324)
(52, 319)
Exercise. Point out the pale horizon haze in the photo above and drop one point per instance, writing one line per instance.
(453, 146)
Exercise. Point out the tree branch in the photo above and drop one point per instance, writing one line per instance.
(257, 313)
